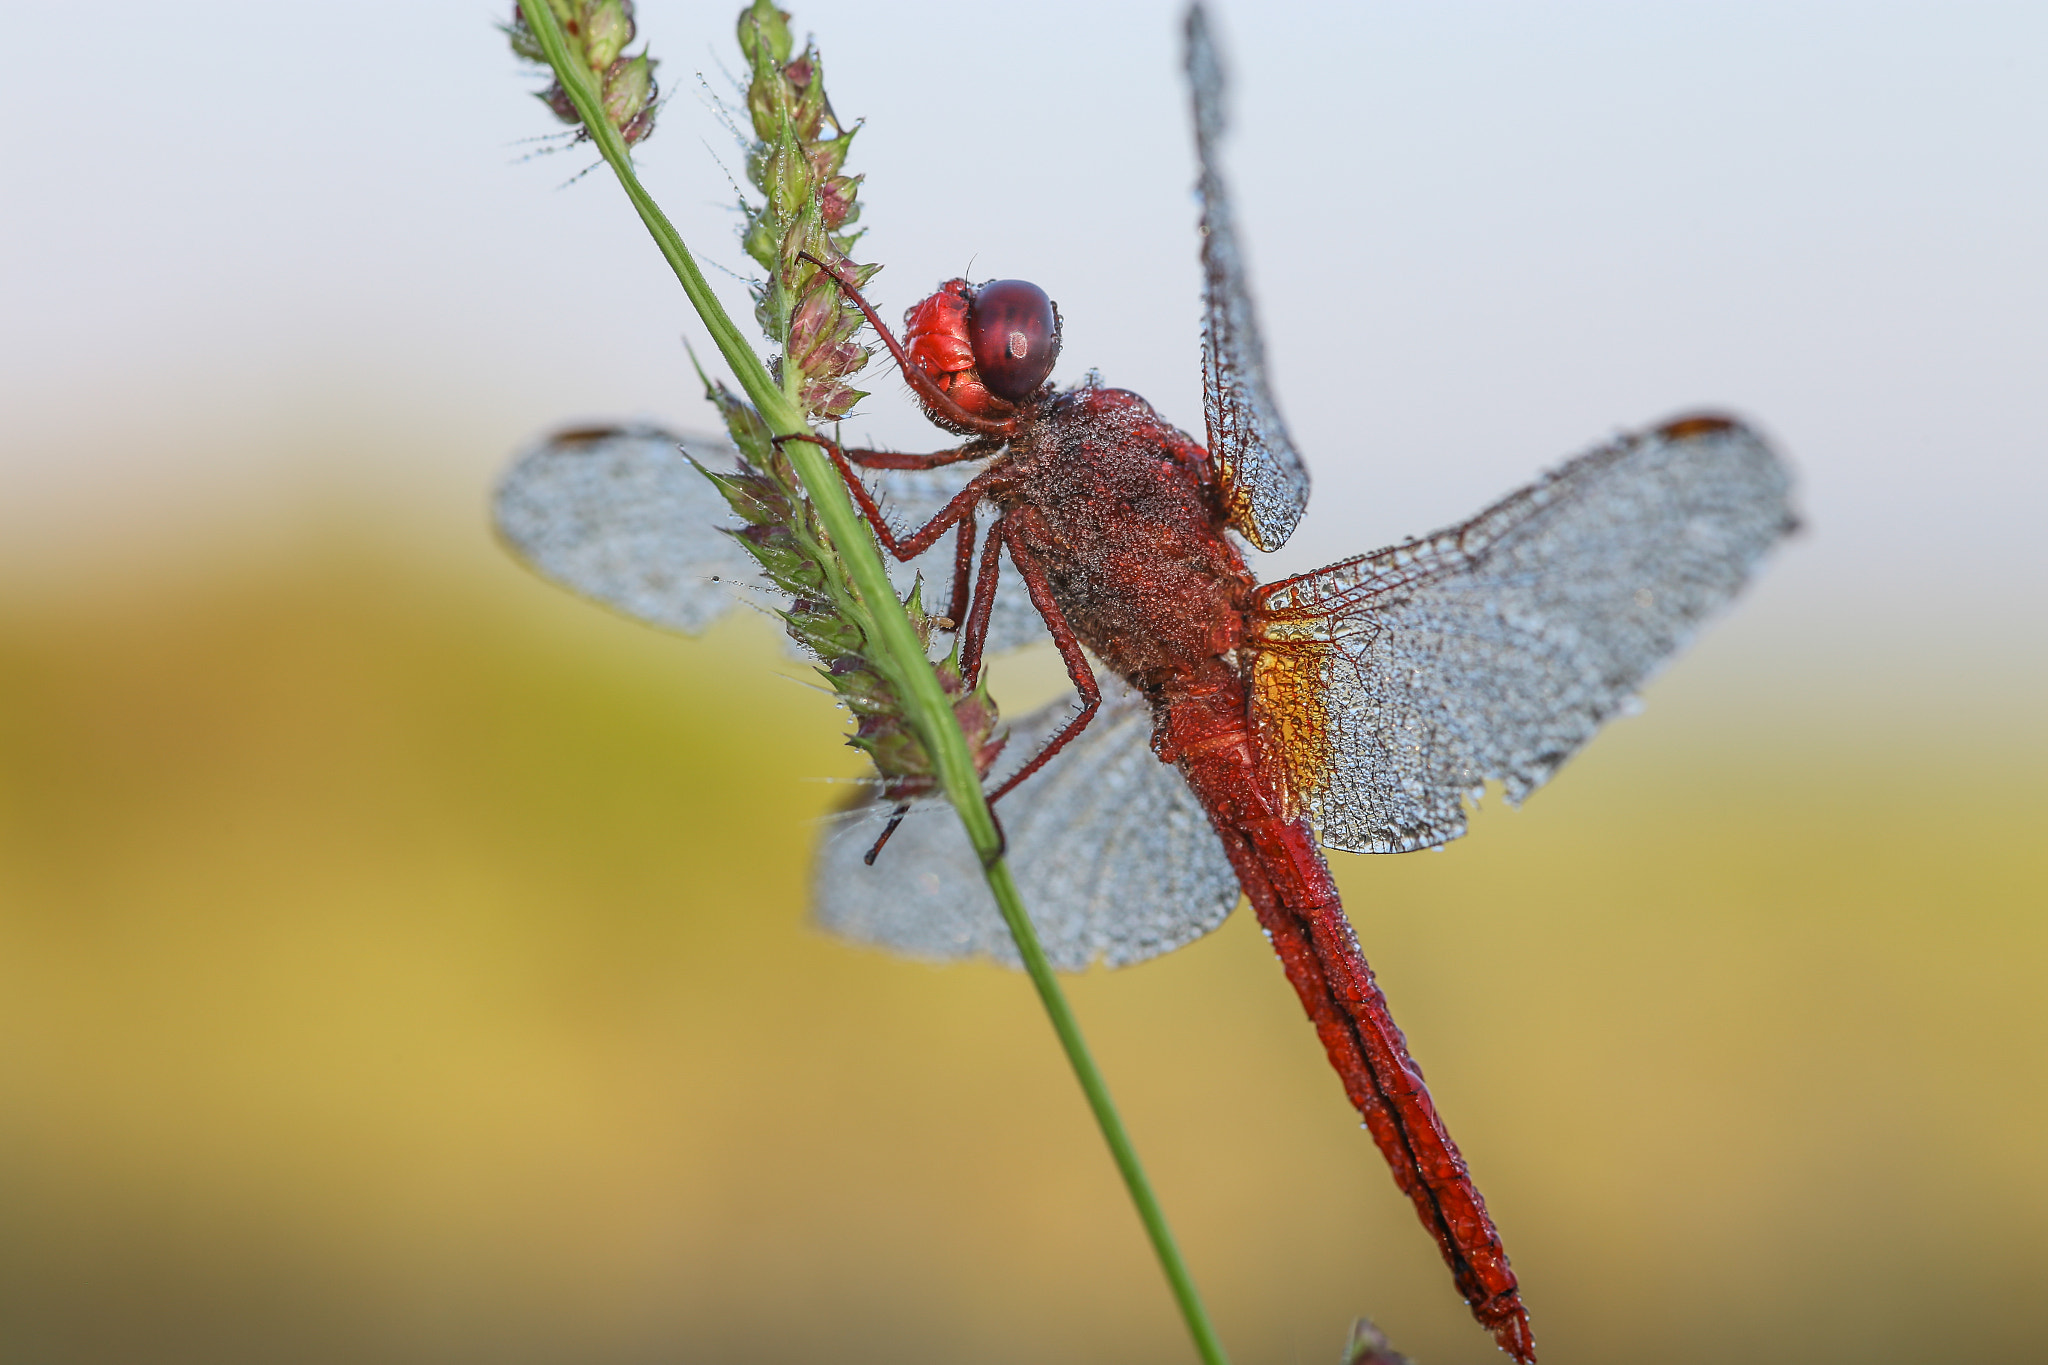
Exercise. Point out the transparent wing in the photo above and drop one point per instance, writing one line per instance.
(619, 515)
(1263, 481)
(1390, 687)
(910, 498)
(1114, 858)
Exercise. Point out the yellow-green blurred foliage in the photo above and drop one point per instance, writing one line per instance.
(406, 963)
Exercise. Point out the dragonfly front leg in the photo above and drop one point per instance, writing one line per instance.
(913, 373)
(909, 548)
(963, 558)
(937, 459)
(1063, 636)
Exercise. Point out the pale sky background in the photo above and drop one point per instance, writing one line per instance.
(263, 262)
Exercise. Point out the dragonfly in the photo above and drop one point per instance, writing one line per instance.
(1227, 730)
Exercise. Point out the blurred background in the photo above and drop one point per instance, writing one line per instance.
(401, 960)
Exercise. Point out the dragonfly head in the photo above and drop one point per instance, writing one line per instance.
(990, 347)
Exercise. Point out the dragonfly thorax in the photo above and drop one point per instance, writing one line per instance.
(1117, 504)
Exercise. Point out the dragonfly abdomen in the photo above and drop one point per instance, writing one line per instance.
(1281, 868)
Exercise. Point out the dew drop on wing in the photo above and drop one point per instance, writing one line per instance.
(1113, 857)
(1265, 483)
(620, 515)
(1495, 649)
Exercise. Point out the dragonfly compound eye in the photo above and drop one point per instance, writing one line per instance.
(1015, 335)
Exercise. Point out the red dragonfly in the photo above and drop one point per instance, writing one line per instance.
(1241, 726)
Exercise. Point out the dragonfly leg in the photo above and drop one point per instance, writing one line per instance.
(1063, 636)
(963, 572)
(930, 392)
(975, 632)
(897, 459)
(924, 538)
(895, 819)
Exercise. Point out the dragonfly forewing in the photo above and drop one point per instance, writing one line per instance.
(1389, 688)
(619, 514)
(1263, 480)
(1113, 856)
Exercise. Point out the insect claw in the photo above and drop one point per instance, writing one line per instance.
(1002, 841)
(895, 819)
